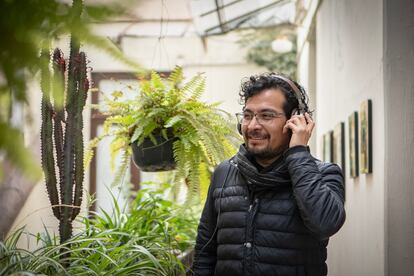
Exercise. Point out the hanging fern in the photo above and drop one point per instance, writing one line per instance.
(171, 107)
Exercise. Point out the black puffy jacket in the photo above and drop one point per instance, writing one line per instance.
(282, 229)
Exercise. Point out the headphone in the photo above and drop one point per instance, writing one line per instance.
(301, 107)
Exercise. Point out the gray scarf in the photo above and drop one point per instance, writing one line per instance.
(277, 178)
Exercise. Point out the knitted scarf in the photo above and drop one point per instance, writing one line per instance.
(274, 179)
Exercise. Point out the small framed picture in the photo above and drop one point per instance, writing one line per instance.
(353, 145)
(327, 146)
(365, 137)
(338, 156)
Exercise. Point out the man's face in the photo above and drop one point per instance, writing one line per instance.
(266, 141)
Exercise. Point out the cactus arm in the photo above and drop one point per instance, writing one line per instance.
(58, 86)
(83, 88)
(65, 226)
(48, 163)
(69, 154)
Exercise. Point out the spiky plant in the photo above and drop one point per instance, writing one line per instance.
(172, 108)
(149, 239)
(61, 131)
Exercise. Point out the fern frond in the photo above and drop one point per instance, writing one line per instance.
(204, 181)
(157, 82)
(145, 87)
(164, 133)
(193, 178)
(89, 151)
(176, 77)
(176, 187)
(148, 129)
(192, 84)
(123, 167)
(172, 121)
(118, 144)
(179, 154)
(198, 90)
(137, 133)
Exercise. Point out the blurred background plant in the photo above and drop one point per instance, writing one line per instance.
(263, 49)
(27, 26)
(147, 238)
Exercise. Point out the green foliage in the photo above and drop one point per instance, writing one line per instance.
(28, 27)
(27, 24)
(147, 240)
(258, 43)
(172, 108)
(12, 139)
(159, 220)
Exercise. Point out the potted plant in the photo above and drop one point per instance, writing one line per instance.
(169, 112)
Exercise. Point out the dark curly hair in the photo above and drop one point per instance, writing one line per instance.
(257, 83)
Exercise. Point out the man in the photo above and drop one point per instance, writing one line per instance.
(272, 207)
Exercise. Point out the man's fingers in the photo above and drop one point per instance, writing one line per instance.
(290, 125)
(302, 119)
(311, 123)
(308, 117)
(299, 120)
(294, 120)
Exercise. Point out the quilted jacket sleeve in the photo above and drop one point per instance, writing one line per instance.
(205, 248)
(318, 190)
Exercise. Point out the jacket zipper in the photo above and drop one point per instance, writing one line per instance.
(248, 245)
(255, 207)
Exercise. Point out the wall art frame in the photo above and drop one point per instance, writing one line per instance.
(365, 137)
(353, 145)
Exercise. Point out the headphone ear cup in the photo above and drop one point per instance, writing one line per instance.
(239, 128)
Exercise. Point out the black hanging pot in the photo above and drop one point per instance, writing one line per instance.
(154, 158)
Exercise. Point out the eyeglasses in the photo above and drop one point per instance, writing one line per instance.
(266, 117)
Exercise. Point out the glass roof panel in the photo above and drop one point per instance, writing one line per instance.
(220, 16)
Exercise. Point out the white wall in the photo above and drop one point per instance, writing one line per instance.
(306, 73)
(399, 137)
(349, 66)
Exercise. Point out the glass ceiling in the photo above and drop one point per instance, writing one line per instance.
(221, 16)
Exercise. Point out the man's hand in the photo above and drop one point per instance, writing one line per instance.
(301, 126)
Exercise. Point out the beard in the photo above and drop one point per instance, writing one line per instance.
(264, 153)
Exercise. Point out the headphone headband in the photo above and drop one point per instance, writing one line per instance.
(295, 89)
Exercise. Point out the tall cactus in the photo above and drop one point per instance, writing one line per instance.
(61, 132)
